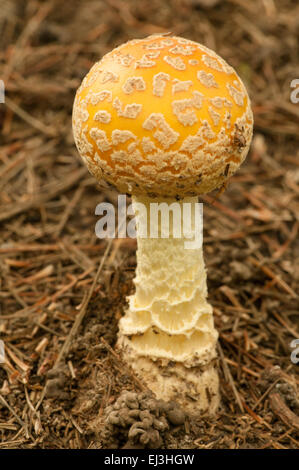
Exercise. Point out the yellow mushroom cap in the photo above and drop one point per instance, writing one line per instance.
(162, 116)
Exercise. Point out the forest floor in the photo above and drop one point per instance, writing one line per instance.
(59, 326)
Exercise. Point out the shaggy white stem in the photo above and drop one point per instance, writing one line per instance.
(167, 334)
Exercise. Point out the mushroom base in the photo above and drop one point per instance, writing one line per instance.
(195, 389)
(167, 334)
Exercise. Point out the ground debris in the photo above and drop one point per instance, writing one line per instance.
(58, 379)
(283, 395)
(49, 254)
(138, 419)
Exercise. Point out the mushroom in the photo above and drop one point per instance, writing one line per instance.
(166, 119)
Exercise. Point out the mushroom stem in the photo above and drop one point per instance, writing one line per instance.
(167, 334)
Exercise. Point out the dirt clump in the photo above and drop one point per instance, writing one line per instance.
(139, 420)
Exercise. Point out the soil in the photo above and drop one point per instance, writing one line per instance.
(63, 291)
